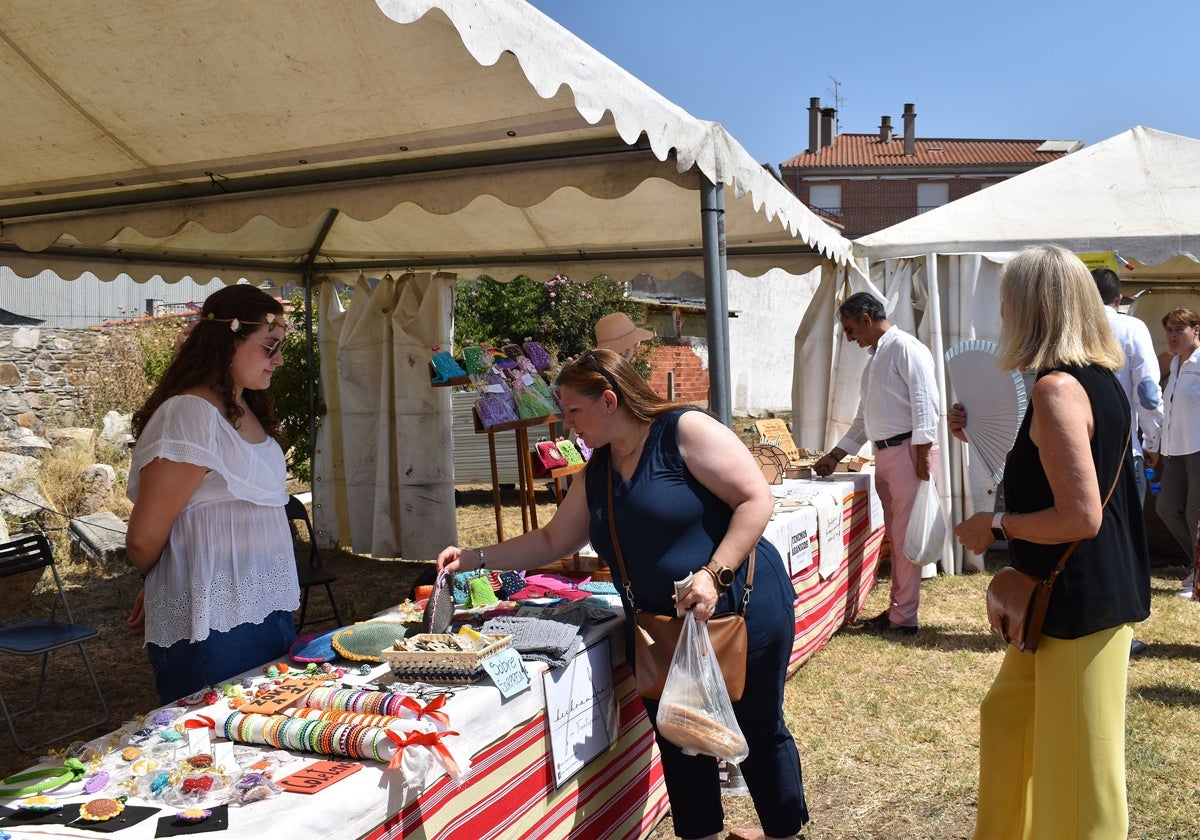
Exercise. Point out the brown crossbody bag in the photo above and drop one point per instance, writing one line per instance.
(1017, 601)
(656, 635)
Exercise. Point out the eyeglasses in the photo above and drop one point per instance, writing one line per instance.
(274, 349)
(1179, 330)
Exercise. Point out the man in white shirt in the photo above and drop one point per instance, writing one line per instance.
(897, 412)
(1139, 377)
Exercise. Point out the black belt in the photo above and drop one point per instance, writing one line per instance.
(894, 440)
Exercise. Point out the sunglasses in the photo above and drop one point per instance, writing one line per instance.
(590, 357)
(274, 349)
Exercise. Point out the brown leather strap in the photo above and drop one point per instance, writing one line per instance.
(612, 530)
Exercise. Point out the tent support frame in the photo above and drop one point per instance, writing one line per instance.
(716, 292)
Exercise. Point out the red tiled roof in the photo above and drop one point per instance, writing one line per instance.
(867, 150)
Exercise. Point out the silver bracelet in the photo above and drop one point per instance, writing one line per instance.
(479, 551)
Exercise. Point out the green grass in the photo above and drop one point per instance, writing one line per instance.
(888, 726)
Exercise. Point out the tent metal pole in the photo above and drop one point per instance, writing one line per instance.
(312, 374)
(716, 292)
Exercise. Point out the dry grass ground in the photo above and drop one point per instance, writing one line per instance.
(887, 727)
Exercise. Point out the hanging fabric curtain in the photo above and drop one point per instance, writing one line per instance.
(383, 474)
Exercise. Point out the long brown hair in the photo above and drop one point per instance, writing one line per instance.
(597, 371)
(227, 318)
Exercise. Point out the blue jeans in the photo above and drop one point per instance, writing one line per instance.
(187, 667)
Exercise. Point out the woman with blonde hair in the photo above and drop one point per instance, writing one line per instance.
(1052, 726)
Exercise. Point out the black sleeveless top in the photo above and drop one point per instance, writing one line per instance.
(1106, 581)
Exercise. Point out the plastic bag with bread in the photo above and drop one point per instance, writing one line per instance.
(695, 712)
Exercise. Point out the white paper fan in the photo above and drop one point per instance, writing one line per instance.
(994, 399)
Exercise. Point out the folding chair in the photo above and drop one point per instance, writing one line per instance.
(310, 570)
(32, 553)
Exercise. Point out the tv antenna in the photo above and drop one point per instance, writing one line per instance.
(836, 92)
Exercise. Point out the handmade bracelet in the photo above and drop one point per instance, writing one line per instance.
(479, 551)
(51, 777)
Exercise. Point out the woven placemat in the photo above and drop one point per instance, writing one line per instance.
(362, 642)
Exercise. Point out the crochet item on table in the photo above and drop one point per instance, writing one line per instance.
(551, 639)
(599, 587)
(510, 584)
(480, 592)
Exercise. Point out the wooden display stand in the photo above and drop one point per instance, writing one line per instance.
(525, 478)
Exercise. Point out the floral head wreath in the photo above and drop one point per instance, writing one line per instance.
(235, 324)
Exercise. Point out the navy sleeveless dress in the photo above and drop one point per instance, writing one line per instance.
(668, 524)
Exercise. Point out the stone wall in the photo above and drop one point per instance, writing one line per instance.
(43, 373)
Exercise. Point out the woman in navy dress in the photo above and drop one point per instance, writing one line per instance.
(688, 497)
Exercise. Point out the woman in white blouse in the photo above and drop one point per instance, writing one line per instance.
(208, 529)
(1178, 503)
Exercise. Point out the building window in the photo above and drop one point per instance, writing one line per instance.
(932, 195)
(826, 199)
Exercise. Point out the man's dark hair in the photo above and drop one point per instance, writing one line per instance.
(1108, 284)
(863, 303)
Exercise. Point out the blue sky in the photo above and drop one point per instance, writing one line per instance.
(1024, 70)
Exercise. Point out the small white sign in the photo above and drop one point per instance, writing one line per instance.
(508, 672)
(799, 552)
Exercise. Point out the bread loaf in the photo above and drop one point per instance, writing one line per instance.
(688, 730)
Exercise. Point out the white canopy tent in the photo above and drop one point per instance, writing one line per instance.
(416, 138)
(1137, 194)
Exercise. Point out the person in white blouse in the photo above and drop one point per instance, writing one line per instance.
(898, 413)
(1178, 503)
(208, 482)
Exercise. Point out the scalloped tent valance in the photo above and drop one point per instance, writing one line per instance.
(270, 139)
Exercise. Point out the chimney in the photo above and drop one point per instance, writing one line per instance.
(885, 129)
(910, 129)
(827, 121)
(814, 124)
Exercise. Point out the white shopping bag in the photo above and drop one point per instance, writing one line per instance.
(927, 528)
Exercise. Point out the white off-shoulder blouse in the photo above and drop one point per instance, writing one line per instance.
(229, 558)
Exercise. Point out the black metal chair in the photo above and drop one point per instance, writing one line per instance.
(33, 553)
(309, 569)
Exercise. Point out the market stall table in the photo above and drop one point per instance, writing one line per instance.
(515, 787)
(829, 532)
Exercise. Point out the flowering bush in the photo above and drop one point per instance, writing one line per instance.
(560, 314)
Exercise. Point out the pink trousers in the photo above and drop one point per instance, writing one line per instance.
(897, 484)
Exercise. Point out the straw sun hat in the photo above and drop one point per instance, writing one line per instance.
(617, 333)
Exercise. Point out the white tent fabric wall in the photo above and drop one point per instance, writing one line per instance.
(760, 337)
(381, 477)
(1137, 193)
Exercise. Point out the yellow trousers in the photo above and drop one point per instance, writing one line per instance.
(1052, 742)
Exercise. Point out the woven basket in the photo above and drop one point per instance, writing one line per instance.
(452, 666)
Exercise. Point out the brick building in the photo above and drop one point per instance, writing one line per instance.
(867, 182)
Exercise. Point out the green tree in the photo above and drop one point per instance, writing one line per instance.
(561, 314)
(290, 387)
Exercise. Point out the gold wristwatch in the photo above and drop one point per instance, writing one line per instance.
(723, 575)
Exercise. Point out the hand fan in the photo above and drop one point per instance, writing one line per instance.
(994, 399)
